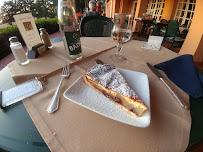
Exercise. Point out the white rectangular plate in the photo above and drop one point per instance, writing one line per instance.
(87, 97)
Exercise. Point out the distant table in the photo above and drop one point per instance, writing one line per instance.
(145, 23)
(159, 27)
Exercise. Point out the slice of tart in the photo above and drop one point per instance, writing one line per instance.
(107, 80)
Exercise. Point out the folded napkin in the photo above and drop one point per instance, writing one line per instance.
(181, 71)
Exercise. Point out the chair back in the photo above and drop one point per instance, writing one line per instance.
(96, 26)
(184, 33)
(172, 28)
(164, 21)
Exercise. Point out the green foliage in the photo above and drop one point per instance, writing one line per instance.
(50, 24)
(7, 11)
(5, 34)
(38, 8)
(80, 6)
(45, 8)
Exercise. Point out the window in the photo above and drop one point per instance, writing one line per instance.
(184, 12)
(155, 8)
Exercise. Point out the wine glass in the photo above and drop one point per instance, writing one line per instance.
(121, 33)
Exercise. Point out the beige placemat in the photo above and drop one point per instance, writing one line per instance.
(56, 57)
(74, 128)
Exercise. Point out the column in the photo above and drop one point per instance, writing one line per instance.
(168, 9)
(125, 6)
(194, 41)
(112, 6)
(141, 8)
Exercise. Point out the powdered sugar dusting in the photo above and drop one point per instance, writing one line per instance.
(110, 77)
(87, 97)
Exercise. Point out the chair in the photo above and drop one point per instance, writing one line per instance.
(163, 26)
(171, 32)
(96, 26)
(180, 38)
(147, 26)
(158, 28)
(164, 21)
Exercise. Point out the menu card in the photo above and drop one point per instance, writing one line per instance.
(28, 29)
(154, 43)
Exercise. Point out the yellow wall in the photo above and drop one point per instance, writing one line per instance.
(174, 9)
(117, 6)
(198, 56)
(141, 8)
(125, 6)
(108, 8)
(168, 8)
(194, 42)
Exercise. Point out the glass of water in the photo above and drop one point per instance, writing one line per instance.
(121, 33)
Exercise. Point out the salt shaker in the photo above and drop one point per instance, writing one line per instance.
(18, 51)
(45, 37)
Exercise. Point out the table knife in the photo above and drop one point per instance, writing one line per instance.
(99, 61)
(175, 93)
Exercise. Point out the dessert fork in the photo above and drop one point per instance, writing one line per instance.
(53, 106)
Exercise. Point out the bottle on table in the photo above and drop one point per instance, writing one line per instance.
(45, 37)
(18, 51)
(69, 29)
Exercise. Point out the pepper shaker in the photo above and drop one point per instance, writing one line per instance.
(45, 37)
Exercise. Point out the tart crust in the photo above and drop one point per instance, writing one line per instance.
(107, 80)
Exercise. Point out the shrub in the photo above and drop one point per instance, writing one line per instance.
(5, 34)
(50, 24)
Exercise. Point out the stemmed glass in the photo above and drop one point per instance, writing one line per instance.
(121, 33)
